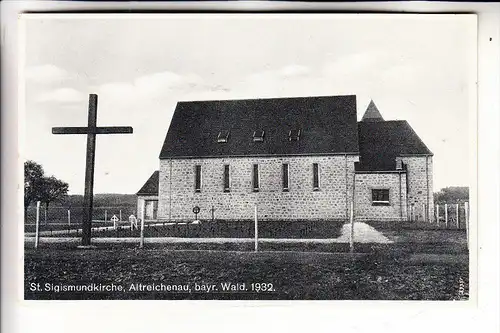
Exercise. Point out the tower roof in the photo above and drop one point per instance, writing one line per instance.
(372, 113)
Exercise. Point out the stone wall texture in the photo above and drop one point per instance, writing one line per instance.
(364, 208)
(177, 193)
(420, 187)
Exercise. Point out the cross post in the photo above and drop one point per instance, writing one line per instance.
(91, 130)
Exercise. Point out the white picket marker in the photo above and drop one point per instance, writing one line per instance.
(446, 215)
(141, 245)
(120, 215)
(69, 217)
(456, 215)
(466, 207)
(351, 238)
(105, 215)
(37, 226)
(114, 219)
(256, 231)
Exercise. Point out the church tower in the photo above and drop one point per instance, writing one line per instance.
(372, 114)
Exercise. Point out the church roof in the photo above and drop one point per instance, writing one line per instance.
(382, 141)
(150, 187)
(372, 113)
(321, 125)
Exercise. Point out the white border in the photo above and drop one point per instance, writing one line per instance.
(103, 316)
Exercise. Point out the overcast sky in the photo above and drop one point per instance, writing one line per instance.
(415, 68)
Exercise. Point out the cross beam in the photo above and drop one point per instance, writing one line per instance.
(91, 130)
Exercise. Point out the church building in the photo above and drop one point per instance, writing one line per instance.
(295, 158)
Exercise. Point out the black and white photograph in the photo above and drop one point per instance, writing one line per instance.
(248, 156)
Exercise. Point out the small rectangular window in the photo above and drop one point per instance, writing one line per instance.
(223, 136)
(258, 136)
(226, 178)
(380, 197)
(255, 177)
(294, 135)
(315, 176)
(285, 177)
(197, 178)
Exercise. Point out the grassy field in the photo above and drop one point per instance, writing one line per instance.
(224, 229)
(289, 275)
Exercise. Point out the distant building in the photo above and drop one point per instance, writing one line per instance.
(295, 158)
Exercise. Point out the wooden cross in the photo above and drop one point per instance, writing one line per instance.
(91, 130)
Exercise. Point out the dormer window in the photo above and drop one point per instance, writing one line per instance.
(258, 136)
(294, 135)
(223, 136)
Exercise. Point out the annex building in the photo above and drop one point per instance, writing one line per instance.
(295, 158)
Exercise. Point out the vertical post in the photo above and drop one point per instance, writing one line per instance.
(351, 220)
(213, 217)
(120, 215)
(69, 217)
(437, 215)
(105, 215)
(88, 197)
(423, 213)
(256, 231)
(446, 215)
(142, 226)
(457, 216)
(466, 207)
(37, 225)
(45, 215)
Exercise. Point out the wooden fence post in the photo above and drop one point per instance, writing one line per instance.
(466, 207)
(120, 215)
(424, 213)
(141, 245)
(437, 215)
(37, 226)
(446, 215)
(256, 231)
(105, 215)
(351, 219)
(457, 216)
(69, 217)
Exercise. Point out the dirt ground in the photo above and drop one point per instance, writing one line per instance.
(385, 273)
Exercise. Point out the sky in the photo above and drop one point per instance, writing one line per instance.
(415, 67)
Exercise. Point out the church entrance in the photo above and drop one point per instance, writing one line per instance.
(151, 209)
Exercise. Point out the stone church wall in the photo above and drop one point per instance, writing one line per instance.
(420, 186)
(364, 208)
(177, 195)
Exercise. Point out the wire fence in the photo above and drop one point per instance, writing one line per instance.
(446, 216)
(122, 221)
(72, 216)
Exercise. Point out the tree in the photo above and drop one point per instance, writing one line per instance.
(52, 189)
(33, 181)
(452, 194)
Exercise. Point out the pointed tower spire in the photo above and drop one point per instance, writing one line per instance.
(372, 113)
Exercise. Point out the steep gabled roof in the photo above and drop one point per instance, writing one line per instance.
(381, 142)
(327, 125)
(150, 187)
(372, 114)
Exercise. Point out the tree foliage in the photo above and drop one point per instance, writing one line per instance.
(52, 189)
(33, 182)
(38, 187)
(452, 194)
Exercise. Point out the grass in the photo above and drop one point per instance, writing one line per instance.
(234, 229)
(383, 273)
